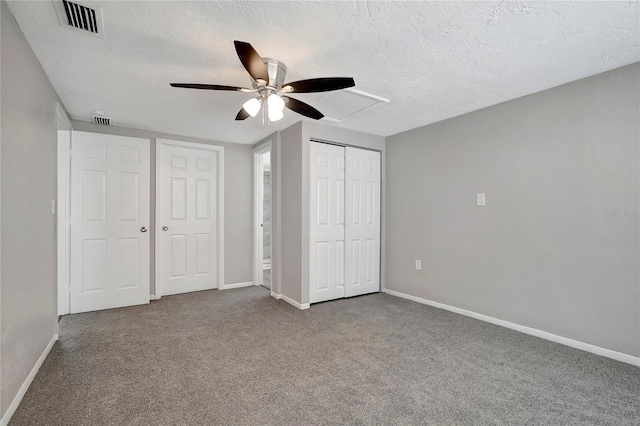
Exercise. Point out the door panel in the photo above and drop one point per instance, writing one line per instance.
(187, 207)
(326, 257)
(362, 232)
(110, 196)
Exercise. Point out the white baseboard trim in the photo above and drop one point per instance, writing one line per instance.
(619, 356)
(291, 301)
(27, 382)
(237, 285)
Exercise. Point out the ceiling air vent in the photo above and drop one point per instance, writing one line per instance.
(99, 118)
(80, 17)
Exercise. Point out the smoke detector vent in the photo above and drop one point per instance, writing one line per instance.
(80, 17)
(98, 118)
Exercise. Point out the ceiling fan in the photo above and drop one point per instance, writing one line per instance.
(267, 77)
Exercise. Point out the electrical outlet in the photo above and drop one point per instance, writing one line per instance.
(480, 199)
(418, 265)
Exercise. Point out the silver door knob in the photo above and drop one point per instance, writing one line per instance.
(165, 228)
(143, 229)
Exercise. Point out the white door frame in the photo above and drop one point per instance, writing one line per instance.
(63, 184)
(258, 194)
(220, 231)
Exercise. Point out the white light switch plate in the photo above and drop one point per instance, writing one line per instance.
(418, 265)
(480, 199)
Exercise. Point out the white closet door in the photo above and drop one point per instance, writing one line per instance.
(326, 259)
(110, 198)
(187, 219)
(362, 233)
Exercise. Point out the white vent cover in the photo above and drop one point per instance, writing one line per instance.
(80, 17)
(99, 118)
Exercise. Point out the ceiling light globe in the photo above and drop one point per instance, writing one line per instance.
(252, 106)
(275, 102)
(275, 114)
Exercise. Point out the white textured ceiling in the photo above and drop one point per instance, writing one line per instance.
(433, 60)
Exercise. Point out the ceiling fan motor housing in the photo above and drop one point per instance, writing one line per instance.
(277, 72)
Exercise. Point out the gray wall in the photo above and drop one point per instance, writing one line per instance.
(290, 170)
(556, 248)
(238, 197)
(28, 315)
(294, 168)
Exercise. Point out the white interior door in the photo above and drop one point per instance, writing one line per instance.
(110, 198)
(187, 218)
(326, 257)
(362, 214)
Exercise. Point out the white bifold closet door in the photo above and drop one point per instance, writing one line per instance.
(110, 221)
(362, 222)
(344, 236)
(326, 236)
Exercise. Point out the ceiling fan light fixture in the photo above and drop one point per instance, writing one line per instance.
(267, 80)
(275, 114)
(252, 106)
(275, 102)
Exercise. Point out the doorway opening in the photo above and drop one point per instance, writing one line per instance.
(262, 216)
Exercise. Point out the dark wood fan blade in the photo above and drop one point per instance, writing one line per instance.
(251, 61)
(242, 115)
(210, 87)
(302, 108)
(319, 85)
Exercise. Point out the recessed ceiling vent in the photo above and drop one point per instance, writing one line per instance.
(80, 17)
(99, 118)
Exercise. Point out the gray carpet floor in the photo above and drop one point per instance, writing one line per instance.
(240, 357)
